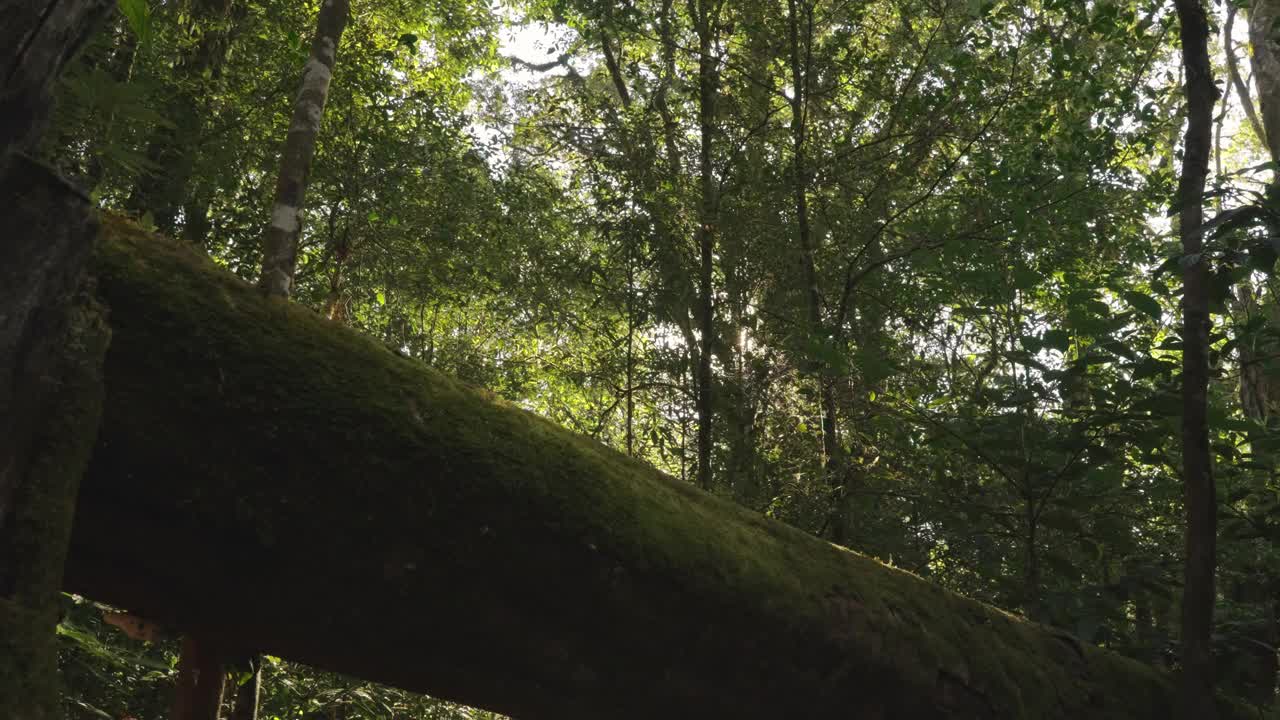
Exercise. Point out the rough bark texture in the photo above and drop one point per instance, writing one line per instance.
(1237, 82)
(201, 679)
(37, 38)
(1200, 497)
(1266, 66)
(399, 526)
(51, 348)
(280, 243)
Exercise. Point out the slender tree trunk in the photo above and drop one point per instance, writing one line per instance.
(339, 246)
(173, 148)
(195, 219)
(1257, 679)
(669, 125)
(630, 359)
(1144, 628)
(707, 90)
(248, 694)
(201, 681)
(119, 65)
(1031, 604)
(1266, 70)
(280, 243)
(800, 61)
(1257, 390)
(1237, 82)
(1200, 497)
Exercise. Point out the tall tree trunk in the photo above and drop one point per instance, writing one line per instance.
(670, 128)
(248, 694)
(631, 351)
(705, 18)
(800, 60)
(1257, 679)
(800, 41)
(1144, 627)
(1031, 592)
(1258, 389)
(37, 40)
(1200, 496)
(201, 680)
(280, 243)
(1266, 69)
(173, 149)
(52, 342)
(1237, 82)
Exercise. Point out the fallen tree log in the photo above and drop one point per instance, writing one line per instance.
(289, 486)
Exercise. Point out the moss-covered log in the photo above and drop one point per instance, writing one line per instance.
(268, 478)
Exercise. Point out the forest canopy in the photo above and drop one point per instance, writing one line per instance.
(909, 276)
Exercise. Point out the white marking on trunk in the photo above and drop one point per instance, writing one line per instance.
(326, 51)
(311, 97)
(285, 218)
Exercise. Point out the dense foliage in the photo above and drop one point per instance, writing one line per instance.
(944, 290)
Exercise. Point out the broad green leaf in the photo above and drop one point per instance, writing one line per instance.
(1059, 340)
(1145, 304)
(138, 16)
(1061, 519)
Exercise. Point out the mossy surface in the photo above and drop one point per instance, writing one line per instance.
(396, 524)
(38, 530)
(41, 530)
(52, 341)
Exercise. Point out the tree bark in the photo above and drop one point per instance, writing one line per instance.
(1237, 82)
(37, 39)
(398, 526)
(1197, 464)
(201, 679)
(247, 694)
(51, 346)
(704, 19)
(1266, 67)
(280, 242)
(800, 61)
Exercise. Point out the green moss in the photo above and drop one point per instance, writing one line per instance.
(28, 662)
(304, 425)
(42, 519)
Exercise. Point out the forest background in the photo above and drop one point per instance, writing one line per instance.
(902, 273)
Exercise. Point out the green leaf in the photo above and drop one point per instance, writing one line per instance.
(1168, 265)
(1026, 278)
(1145, 304)
(1262, 257)
(1061, 519)
(138, 15)
(1058, 340)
